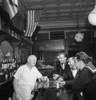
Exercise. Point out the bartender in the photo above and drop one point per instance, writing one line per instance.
(25, 79)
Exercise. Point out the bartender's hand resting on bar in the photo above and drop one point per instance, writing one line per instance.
(44, 79)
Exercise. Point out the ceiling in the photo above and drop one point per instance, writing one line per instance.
(58, 13)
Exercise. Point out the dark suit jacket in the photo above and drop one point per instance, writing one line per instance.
(66, 73)
(82, 82)
(69, 83)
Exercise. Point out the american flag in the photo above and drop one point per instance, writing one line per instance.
(32, 21)
(11, 6)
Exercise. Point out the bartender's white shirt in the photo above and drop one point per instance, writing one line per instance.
(26, 80)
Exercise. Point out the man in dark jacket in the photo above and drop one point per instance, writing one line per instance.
(62, 68)
(85, 80)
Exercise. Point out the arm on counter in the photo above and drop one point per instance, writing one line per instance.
(82, 80)
(68, 84)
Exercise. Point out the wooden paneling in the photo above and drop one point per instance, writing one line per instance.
(43, 36)
(73, 45)
(49, 45)
(57, 35)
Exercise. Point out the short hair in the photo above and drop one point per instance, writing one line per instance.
(62, 52)
(73, 58)
(31, 57)
(83, 57)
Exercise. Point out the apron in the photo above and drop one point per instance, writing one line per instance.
(23, 93)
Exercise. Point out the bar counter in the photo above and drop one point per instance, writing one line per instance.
(53, 92)
(6, 89)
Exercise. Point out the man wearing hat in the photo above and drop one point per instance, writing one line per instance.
(84, 80)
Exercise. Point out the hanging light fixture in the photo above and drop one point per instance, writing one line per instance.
(78, 36)
(92, 16)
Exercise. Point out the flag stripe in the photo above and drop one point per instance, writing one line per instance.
(32, 21)
(10, 8)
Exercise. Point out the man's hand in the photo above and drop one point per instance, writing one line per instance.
(62, 83)
(55, 76)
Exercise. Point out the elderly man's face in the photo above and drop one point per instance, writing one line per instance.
(62, 58)
(32, 60)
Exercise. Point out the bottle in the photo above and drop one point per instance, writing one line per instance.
(6, 77)
(57, 85)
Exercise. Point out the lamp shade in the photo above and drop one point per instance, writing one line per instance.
(92, 17)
